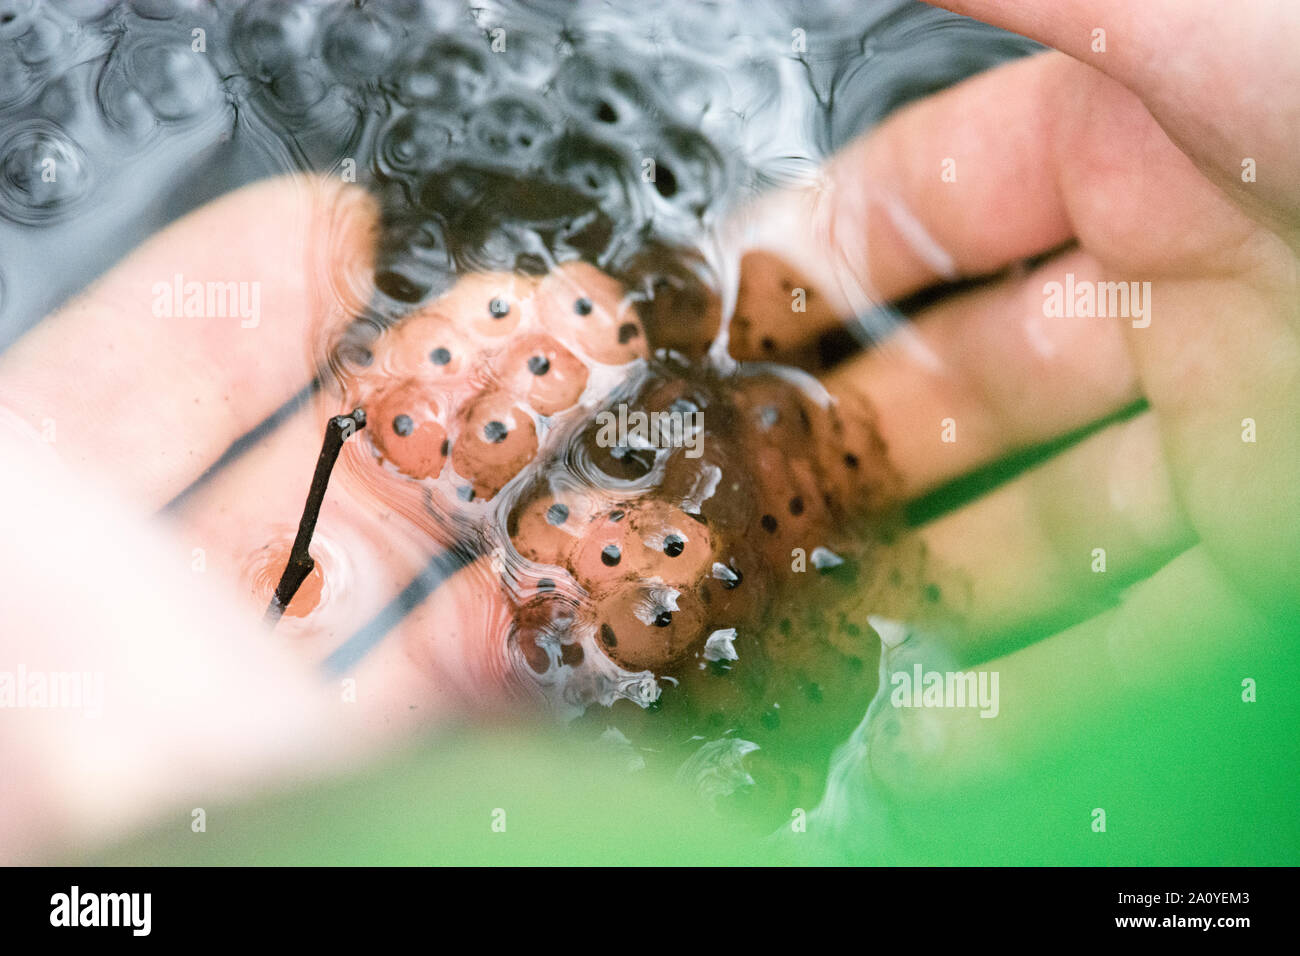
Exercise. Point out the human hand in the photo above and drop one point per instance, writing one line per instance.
(115, 412)
(1024, 552)
(1166, 161)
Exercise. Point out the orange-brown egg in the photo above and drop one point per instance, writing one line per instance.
(791, 510)
(548, 376)
(544, 634)
(428, 344)
(497, 439)
(608, 552)
(490, 304)
(776, 413)
(673, 545)
(547, 527)
(406, 427)
(646, 627)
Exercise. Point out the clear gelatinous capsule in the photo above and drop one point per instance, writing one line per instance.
(490, 304)
(591, 311)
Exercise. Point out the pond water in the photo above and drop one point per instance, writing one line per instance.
(522, 139)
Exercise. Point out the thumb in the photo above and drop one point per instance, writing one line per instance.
(128, 685)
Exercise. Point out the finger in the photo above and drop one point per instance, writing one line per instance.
(441, 649)
(1049, 547)
(241, 524)
(1218, 363)
(176, 700)
(1005, 166)
(960, 184)
(1068, 25)
(1177, 629)
(989, 373)
(199, 335)
(1199, 105)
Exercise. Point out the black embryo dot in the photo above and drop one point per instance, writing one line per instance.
(494, 432)
(403, 425)
(440, 356)
(499, 308)
(674, 545)
(610, 555)
(539, 365)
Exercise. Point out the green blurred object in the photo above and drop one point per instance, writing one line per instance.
(1187, 771)
(1195, 777)
(551, 803)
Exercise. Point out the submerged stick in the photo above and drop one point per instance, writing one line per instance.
(300, 564)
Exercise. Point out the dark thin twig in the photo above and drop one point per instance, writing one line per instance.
(301, 563)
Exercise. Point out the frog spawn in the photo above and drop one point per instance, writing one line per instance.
(639, 569)
(668, 561)
(677, 565)
(636, 568)
(464, 391)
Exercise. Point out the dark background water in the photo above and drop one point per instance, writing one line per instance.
(118, 117)
(142, 128)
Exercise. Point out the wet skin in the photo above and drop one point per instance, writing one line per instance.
(1189, 512)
